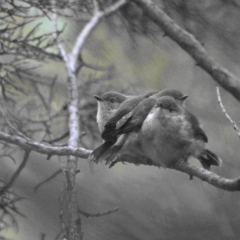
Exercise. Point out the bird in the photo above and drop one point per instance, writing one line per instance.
(107, 106)
(109, 133)
(111, 117)
(124, 137)
(170, 132)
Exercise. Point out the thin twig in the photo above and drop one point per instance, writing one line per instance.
(235, 127)
(47, 180)
(16, 174)
(55, 31)
(100, 214)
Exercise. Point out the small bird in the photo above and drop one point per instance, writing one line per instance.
(109, 133)
(110, 118)
(124, 128)
(170, 133)
(107, 106)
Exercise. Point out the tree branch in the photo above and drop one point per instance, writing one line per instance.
(207, 176)
(190, 44)
(44, 148)
(182, 166)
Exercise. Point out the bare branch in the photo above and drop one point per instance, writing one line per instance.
(100, 214)
(6, 187)
(235, 127)
(189, 43)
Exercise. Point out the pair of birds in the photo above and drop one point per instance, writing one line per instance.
(156, 126)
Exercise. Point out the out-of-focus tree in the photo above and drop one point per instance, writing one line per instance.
(36, 114)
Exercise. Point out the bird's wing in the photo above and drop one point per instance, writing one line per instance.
(110, 130)
(197, 131)
(124, 119)
(124, 109)
(138, 116)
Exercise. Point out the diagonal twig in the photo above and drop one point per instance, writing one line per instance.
(235, 127)
(47, 180)
(16, 174)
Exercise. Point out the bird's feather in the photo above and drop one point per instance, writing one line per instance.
(197, 131)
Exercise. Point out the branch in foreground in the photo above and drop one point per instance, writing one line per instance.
(190, 44)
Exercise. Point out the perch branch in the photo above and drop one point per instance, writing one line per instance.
(44, 148)
(207, 176)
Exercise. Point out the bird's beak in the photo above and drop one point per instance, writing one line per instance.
(98, 98)
(183, 98)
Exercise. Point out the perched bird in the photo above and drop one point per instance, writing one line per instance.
(115, 113)
(124, 129)
(170, 133)
(109, 133)
(107, 106)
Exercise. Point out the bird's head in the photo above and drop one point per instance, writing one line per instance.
(176, 94)
(168, 105)
(111, 100)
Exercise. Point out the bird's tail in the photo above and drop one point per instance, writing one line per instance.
(115, 150)
(208, 158)
(100, 153)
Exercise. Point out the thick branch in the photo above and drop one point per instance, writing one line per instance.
(190, 44)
